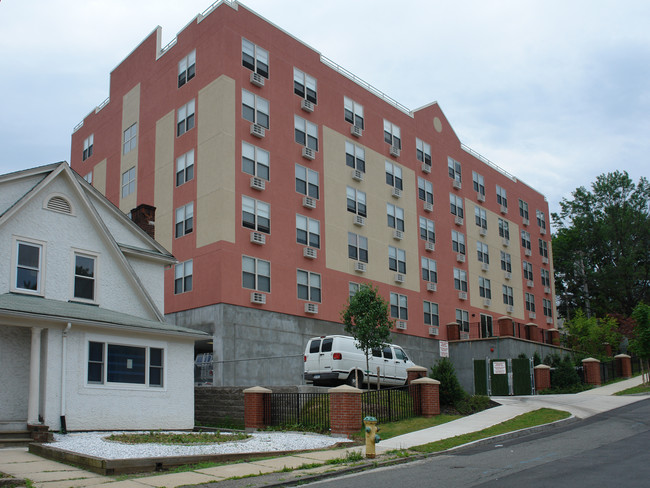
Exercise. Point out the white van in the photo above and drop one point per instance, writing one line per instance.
(335, 359)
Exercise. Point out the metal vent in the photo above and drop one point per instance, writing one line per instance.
(59, 204)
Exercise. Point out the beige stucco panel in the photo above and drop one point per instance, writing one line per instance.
(130, 116)
(164, 179)
(99, 177)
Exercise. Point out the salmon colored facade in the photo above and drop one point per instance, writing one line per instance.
(144, 90)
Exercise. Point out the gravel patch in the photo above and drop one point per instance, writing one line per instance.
(94, 444)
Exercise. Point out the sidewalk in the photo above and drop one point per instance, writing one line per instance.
(50, 474)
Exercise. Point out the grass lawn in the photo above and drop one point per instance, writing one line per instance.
(634, 390)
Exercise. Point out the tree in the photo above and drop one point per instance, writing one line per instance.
(641, 342)
(590, 334)
(367, 319)
(450, 390)
(601, 249)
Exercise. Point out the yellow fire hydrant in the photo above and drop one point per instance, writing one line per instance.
(372, 437)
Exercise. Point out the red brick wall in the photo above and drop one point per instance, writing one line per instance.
(542, 377)
(592, 371)
(256, 401)
(345, 410)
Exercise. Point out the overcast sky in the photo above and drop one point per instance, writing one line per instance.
(555, 92)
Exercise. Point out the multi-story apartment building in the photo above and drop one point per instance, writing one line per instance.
(281, 182)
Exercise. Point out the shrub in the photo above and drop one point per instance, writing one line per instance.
(522, 355)
(536, 359)
(472, 404)
(450, 389)
(564, 376)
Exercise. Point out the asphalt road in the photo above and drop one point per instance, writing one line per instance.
(609, 449)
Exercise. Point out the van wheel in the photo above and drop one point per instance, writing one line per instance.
(352, 379)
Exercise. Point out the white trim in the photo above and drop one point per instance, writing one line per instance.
(90, 254)
(40, 289)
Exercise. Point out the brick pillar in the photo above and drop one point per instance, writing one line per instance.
(542, 377)
(40, 433)
(592, 371)
(414, 373)
(453, 331)
(257, 402)
(623, 365)
(144, 216)
(505, 326)
(345, 410)
(429, 396)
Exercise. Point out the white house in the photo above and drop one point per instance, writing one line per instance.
(83, 340)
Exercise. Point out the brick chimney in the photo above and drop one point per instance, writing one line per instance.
(144, 216)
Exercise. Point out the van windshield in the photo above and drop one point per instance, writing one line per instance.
(314, 346)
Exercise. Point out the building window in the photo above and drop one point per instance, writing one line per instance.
(357, 247)
(395, 216)
(185, 168)
(393, 175)
(256, 215)
(88, 146)
(458, 242)
(89, 178)
(541, 220)
(530, 302)
(525, 239)
(460, 279)
(423, 151)
(478, 182)
(128, 182)
(502, 197)
(119, 363)
(546, 277)
(186, 68)
(255, 58)
(429, 270)
(431, 313)
(255, 109)
(523, 209)
(504, 229)
(184, 220)
(307, 181)
(356, 201)
(548, 311)
(28, 266)
(304, 85)
(309, 286)
(185, 118)
(307, 231)
(482, 252)
(486, 326)
(425, 190)
(355, 156)
(528, 271)
(506, 263)
(427, 230)
(480, 217)
(306, 133)
(392, 134)
(484, 289)
(183, 277)
(507, 295)
(454, 170)
(543, 247)
(256, 274)
(353, 112)
(84, 277)
(399, 306)
(396, 259)
(130, 139)
(353, 288)
(462, 319)
(255, 161)
(456, 205)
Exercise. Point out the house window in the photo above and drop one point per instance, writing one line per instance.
(425, 190)
(543, 247)
(484, 289)
(480, 216)
(307, 231)
(309, 286)
(306, 133)
(429, 270)
(357, 247)
(530, 302)
(88, 146)
(128, 182)
(256, 215)
(183, 277)
(431, 313)
(255, 109)
(423, 151)
(356, 201)
(307, 181)
(28, 266)
(84, 277)
(482, 252)
(256, 274)
(89, 178)
(546, 277)
(454, 170)
(396, 259)
(458, 242)
(541, 219)
(255, 58)
(185, 168)
(528, 271)
(548, 311)
(507, 295)
(393, 175)
(504, 229)
(304, 85)
(462, 319)
(119, 363)
(486, 326)
(427, 230)
(186, 68)
(456, 205)
(130, 139)
(399, 306)
(255, 161)
(392, 134)
(353, 112)
(185, 118)
(353, 288)
(478, 182)
(355, 156)
(506, 263)
(395, 216)
(525, 239)
(502, 196)
(523, 209)
(460, 279)
(184, 220)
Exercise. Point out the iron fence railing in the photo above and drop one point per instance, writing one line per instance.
(391, 404)
(305, 410)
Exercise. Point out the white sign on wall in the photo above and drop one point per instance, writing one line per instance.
(444, 349)
(499, 367)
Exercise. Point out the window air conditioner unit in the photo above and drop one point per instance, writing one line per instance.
(257, 79)
(257, 183)
(532, 315)
(549, 320)
(462, 295)
(310, 252)
(399, 278)
(508, 275)
(257, 297)
(432, 286)
(356, 131)
(428, 207)
(396, 192)
(458, 220)
(457, 184)
(547, 289)
(510, 309)
(258, 238)
(482, 231)
(426, 168)
(398, 235)
(307, 105)
(505, 242)
(429, 246)
(400, 324)
(528, 252)
(526, 221)
(434, 331)
(460, 258)
(308, 153)
(360, 267)
(357, 175)
(485, 266)
(464, 336)
(394, 151)
(257, 131)
(504, 209)
(542, 231)
(544, 260)
(487, 302)
(308, 202)
(480, 197)
(530, 283)
(311, 308)
(359, 220)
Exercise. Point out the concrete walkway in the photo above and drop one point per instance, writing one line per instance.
(49, 474)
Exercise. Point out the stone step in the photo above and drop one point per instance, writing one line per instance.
(18, 442)
(14, 434)
(13, 425)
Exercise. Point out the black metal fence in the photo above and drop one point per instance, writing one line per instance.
(391, 404)
(309, 411)
(610, 370)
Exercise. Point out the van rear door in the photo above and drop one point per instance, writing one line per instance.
(312, 356)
